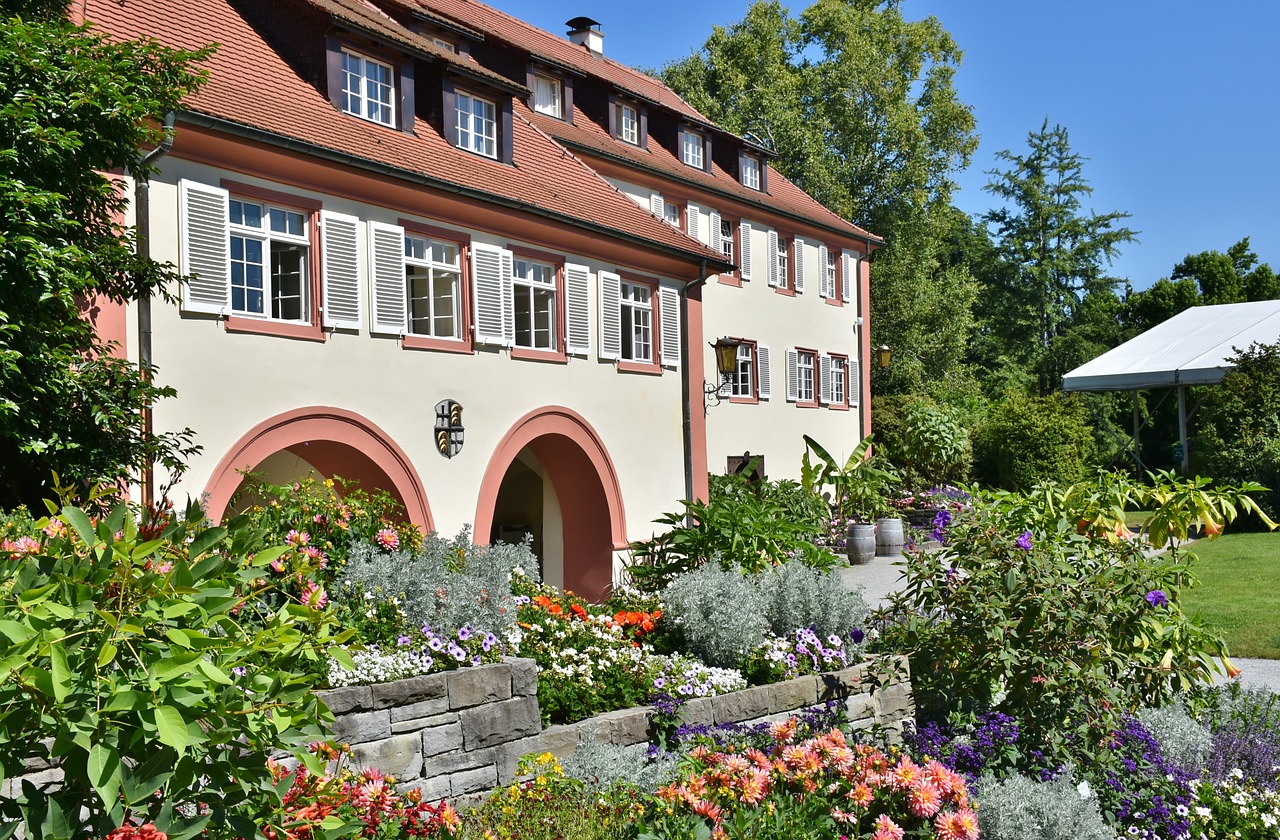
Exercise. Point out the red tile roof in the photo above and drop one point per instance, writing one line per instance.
(545, 177)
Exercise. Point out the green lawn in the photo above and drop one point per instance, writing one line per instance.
(1239, 591)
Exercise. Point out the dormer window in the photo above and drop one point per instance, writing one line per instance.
(548, 96)
(628, 124)
(691, 149)
(368, 88)
(750, 171)
(448, 46)
(477, 124)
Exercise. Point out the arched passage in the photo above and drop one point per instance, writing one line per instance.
(333, 441)
(586, 520)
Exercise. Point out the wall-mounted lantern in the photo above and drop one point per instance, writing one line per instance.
(726, 353)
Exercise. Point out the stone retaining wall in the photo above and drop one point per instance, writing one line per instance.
(460, 733)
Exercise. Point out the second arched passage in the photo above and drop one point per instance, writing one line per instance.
(551, 472)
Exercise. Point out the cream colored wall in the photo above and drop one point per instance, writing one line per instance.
(228, 383)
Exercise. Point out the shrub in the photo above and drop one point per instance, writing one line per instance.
(721, 614)
(799, 596)
(1017, 808)
(151, 669)
(933, 446)
(601, 767)
(1028, 440)
(1183, 740)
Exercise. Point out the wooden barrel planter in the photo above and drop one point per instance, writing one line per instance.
(889, 537)
(860, 543)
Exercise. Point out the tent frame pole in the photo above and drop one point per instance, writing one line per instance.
(1182, 429)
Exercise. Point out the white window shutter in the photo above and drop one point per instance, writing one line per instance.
(797, 255)
(793, 375)
(764, 381)
(824, 376)
(388, 307)
(205, 243)
(824, 285)
(611, 316)
(848, 266)
(773, 260)
(656, 205)
(744, 259)
(577, 287)
(340, 270)
(855, 383)
(716, 244)
(694, 217)
(491, 282)
(669, 313)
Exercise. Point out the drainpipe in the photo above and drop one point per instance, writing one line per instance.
(142, 224)
(686, 382)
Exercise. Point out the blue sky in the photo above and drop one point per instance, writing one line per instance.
(1174, 102)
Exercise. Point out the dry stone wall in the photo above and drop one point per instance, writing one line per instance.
(460, 733)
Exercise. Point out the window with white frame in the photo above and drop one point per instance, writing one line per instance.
(637, 322)
(533, 286)
(444, 44)
(839, 376)
(829, 275)
(269, 252)
(477, 125)
(726, 239)
(691, 148)
(368, 88)
(671, 214)
(806, 362)
(750, 172)
(433, 274)
(628, 124)
(781, 256)
(548, 96)
(743, 381)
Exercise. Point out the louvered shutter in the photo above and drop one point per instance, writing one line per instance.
(610, 316)
(855, 383)
(716, 243)
(340, 270)
(694, 217)
(797, 254)
(773, 260)
(793, 375)
(657, 206)
(764, 380)
(847, 270)
(388, 290)
(577, 287)
(669, 312)
(205, 247)
(491, 282)
(825, 289)
(824, 377)
(744, 259)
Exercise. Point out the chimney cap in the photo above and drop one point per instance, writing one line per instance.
(582, 24)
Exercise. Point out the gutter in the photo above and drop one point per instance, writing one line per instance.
(301, 146)
(142, 225)
(686, 380)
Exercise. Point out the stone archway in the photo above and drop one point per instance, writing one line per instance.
(580, 515)
(330, 441)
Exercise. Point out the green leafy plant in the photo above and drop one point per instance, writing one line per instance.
(933, 446)
(859, 488)
(152, 670)
(1025, 441)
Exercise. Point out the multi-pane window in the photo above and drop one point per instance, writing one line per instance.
(477, 125)
(637, 322)
(726, 239)
(433, 273)
(691, 148)
(628, 124)
(671, 214)
(443, 44)
(783, 250)
(269, 248)
(547, 97)
(367, 88)
(533, 285)
(805, 364)
(830, 274)
(743, 379)
(839, 376)
(751, 172)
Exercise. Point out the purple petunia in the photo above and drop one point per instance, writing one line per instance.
(1156, 598)
(464, 632)
(1024, 541)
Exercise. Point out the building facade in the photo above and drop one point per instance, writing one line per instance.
(452, 256)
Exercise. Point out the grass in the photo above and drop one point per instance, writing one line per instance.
(1239, 592)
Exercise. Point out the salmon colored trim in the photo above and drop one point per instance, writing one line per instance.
(654, 365)
(462, 239)
(864, 334)
(814, 403)
(306, 332)
(729, 280)
(640, 367)
(556, 261)
(844, 405)
(754, 399)
(697, 357)
(837, 302)
(300, 202)
(528, 354)
(550, 420)
(785, 292)
(318, 423)
(442, 345)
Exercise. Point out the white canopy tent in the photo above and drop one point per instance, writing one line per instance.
(1191, 348)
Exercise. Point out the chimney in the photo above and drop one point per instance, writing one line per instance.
(585, 32)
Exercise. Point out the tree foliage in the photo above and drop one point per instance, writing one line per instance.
(76, 106)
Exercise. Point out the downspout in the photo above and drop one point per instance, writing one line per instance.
(142, 225)
(686, 378)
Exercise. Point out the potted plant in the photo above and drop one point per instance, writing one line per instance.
(858, 492)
